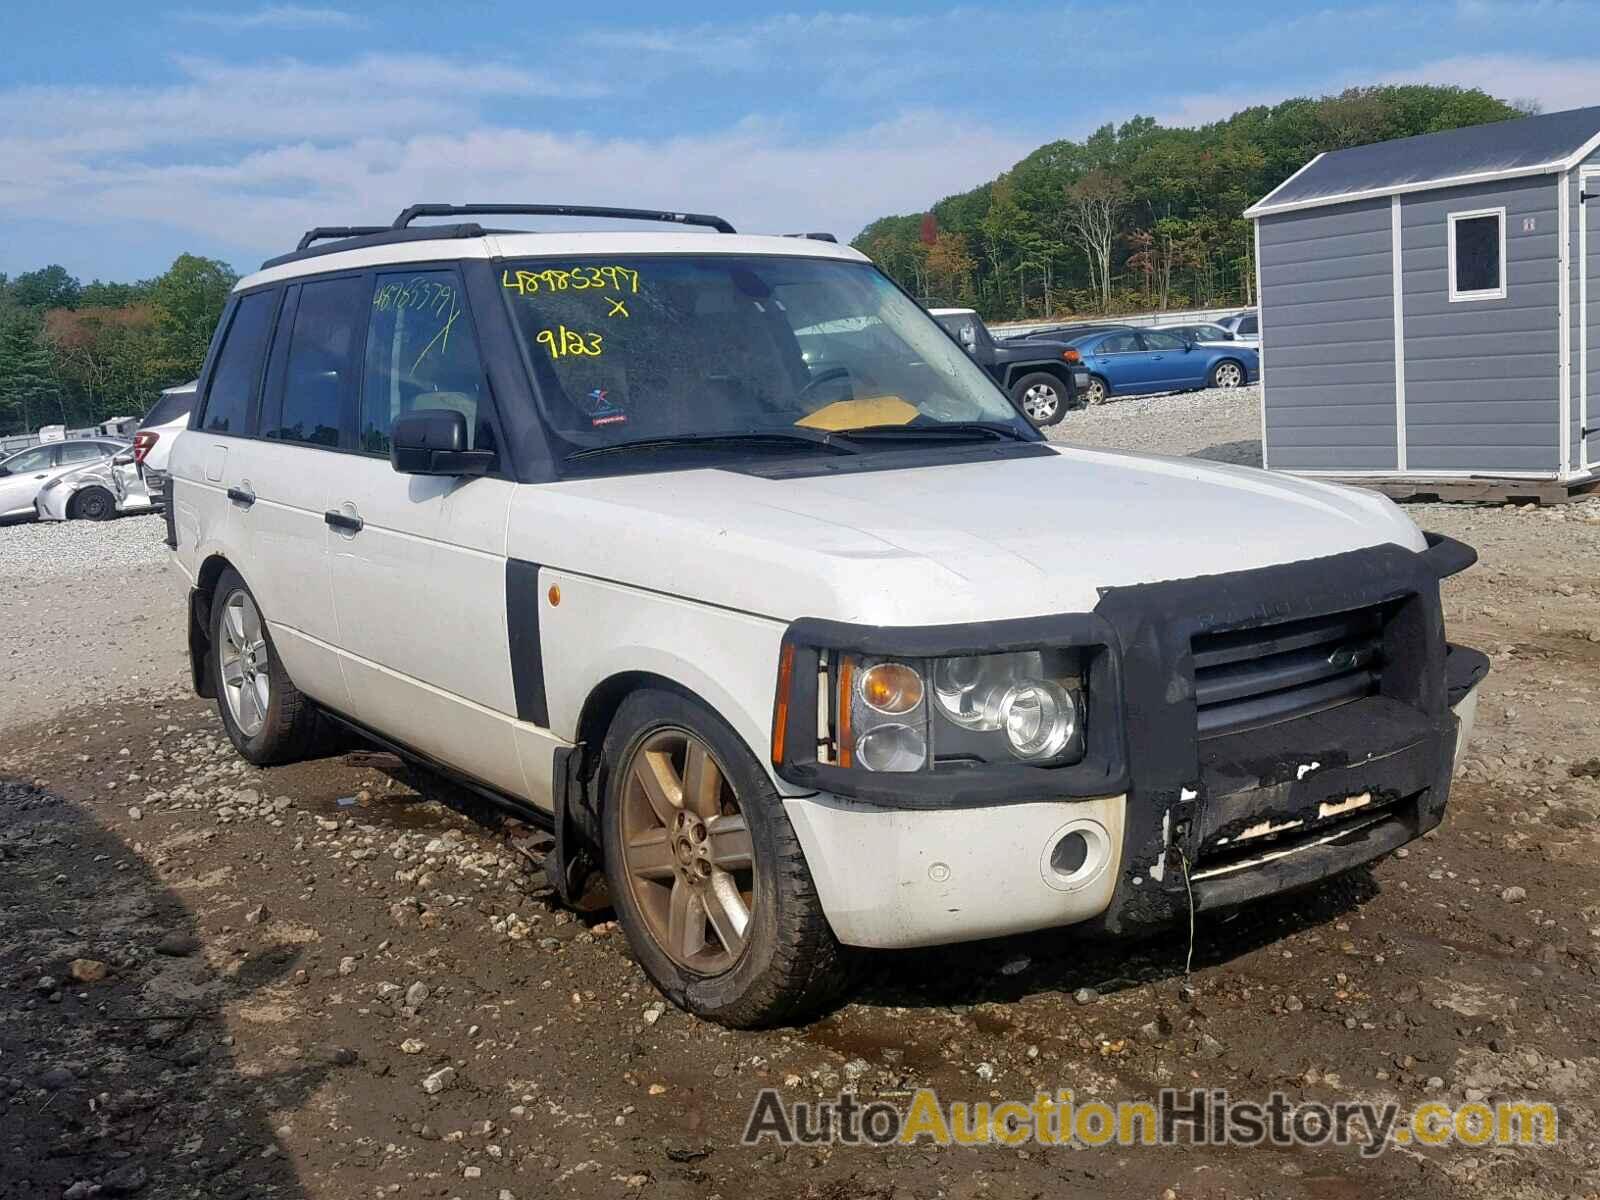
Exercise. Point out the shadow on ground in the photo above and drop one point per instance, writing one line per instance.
(116, 1067)
(1243, 454)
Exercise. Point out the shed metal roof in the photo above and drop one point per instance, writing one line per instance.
(1477, 153)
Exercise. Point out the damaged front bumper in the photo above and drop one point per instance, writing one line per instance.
(1222, 795)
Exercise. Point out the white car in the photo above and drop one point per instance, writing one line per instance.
(1243, 327)
(96, 492)
(26, 473)
(803, 661)
(157, 433)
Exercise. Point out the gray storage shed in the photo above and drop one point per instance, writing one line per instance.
(1425, 306)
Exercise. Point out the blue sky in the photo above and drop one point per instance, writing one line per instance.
(129, 133)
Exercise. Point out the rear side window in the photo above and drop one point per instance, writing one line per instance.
(169, 407)
(421, 353)
(1120, 343)
(1249, 326)
(320, 369)
(237, 375)
(1162, 340)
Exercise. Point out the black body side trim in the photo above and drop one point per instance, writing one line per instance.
(527, 651)
(518, 808)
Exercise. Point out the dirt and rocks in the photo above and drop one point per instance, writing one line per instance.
(322, 981)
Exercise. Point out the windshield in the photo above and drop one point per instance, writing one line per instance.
(643, 348)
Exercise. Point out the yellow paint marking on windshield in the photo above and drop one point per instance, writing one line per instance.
(562, 341)
(611, 277)
(853, 414)
(618, 308)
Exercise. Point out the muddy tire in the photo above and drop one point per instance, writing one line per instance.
(92, 504)
(707, 876)
(268, 719)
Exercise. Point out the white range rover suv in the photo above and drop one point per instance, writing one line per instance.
(717, 555)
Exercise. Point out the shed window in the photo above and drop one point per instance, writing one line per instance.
(1478, 255)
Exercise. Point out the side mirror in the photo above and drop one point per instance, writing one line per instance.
(433, 441)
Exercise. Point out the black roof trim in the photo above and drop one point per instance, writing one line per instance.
(324, 232)
(386, 236)
(559, 210)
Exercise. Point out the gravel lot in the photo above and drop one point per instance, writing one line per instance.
(1223, 424)
(320, 981)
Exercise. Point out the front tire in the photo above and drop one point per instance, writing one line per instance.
(708, 878)
(93, 504)
(1226, 374)
(1042, 398)
(268, 719)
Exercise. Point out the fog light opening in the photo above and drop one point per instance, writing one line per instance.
(1075, 855)
(1070, 853)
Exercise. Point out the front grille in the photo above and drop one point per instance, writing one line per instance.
(1248, 678)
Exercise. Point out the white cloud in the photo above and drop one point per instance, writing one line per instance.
(1555, 84)
(275, 16)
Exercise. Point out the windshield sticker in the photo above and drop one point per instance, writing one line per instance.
(601, 409)
(563, 342)
(577, 279)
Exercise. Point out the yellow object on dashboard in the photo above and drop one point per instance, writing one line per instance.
(853, 414)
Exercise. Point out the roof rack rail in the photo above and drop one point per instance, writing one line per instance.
(814, 237)
(323, 233)
(559, 210)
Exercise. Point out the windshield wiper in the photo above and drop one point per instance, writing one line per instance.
(762, 439)
(944, 431)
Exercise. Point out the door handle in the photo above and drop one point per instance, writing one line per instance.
(240, 496)
(343, 521)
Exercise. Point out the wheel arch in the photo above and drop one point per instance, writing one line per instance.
(200, 622)
(1048, 366)
(1244, 368)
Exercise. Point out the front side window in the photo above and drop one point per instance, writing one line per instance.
(1162, 340)
(632, 348)
(320, 369)
(40, 459)
(421, 354)
(1477, 249)
(237, 374)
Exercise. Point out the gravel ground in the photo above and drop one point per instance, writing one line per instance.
(1223, 424)
(88, 610)
(320, 981)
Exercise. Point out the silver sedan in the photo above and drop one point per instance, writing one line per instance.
(24, 474)
(96, 492)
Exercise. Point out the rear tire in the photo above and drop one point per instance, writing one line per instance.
(700, 854)
(268, 719)
(1042, 397)
(92, 504)
(1098, 391)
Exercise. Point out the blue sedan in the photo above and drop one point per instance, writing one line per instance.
(1133, 362)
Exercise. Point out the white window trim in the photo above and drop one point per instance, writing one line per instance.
(1494, 293)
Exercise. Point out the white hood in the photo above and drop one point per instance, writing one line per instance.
(974, 541)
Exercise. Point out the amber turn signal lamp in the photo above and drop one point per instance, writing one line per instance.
(780, 709)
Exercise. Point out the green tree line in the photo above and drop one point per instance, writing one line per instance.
(75, 353)
(1141, 216)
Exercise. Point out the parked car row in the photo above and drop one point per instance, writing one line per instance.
(94, 479)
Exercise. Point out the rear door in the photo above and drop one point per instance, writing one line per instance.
(1120, 358)
(283, 478)
(419, 563)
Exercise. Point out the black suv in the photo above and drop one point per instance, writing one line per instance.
(1043, 377)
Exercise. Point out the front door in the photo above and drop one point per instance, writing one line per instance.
(419, 563)
(1589, 346)
(26, 474)
(1172, 361)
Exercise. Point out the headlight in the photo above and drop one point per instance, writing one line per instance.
(987, 708)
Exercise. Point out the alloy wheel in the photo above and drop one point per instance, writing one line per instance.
(1229, 375)
(687, 851)
(246, 678)
(1040, 403)
(1096, 394)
